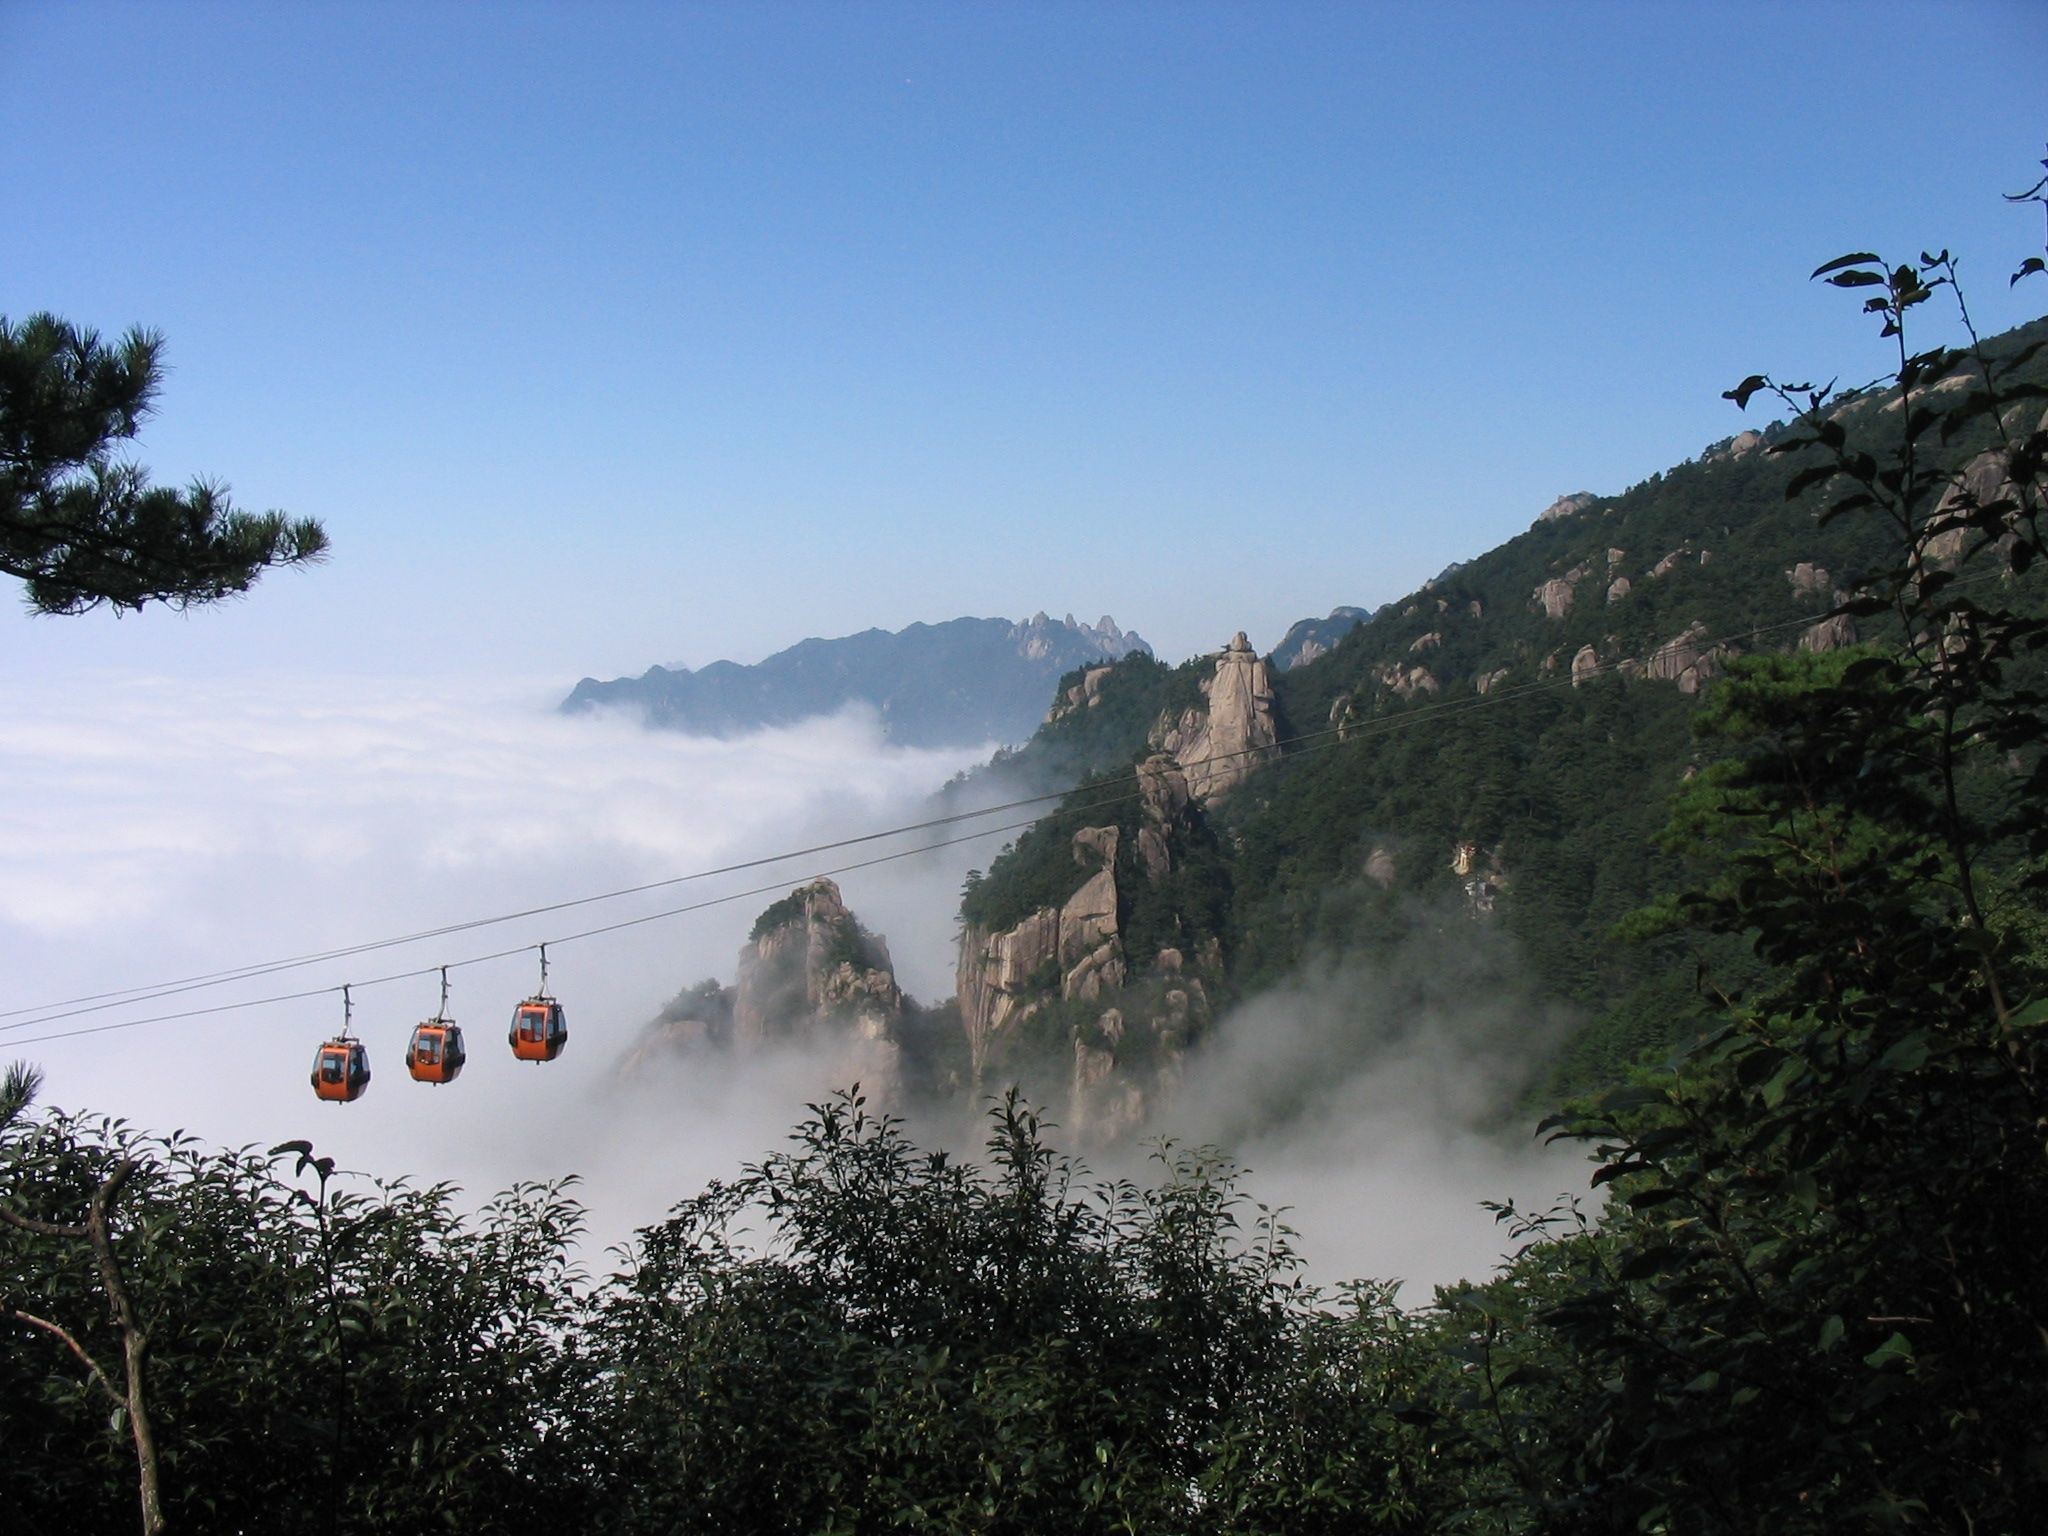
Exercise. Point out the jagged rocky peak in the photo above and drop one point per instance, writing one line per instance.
(1222, 745)
(1041, 636)
(694, 1019)
(810, 975)
(810, 963)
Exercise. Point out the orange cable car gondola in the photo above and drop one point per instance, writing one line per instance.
(435, 1054)
(341, 1067)
(539, 1029)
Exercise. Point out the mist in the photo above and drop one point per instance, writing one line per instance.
(158, 831)
(1377, 1100)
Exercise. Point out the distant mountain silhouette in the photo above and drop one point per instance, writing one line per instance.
(935, 685)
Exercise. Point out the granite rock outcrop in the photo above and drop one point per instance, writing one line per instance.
(1224, 742)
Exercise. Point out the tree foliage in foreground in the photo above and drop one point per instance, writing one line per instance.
(1814, 1300)
(320, 1354)
(1818, 1302)
(852, 1335)
(918, 1343)
(82, 527)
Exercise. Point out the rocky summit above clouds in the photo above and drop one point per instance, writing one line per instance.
(1240, 831)
(811, 977)
(933, 685)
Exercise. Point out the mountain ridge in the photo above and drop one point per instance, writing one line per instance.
(958, 682)
(1495, 751)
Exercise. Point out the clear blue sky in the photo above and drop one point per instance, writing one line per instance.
(602, 335)
(607, 335)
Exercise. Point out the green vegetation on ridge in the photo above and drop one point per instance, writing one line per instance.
(1812, 1302)
(1564, 786)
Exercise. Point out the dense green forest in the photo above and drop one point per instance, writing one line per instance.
(1805, 1297)
(1559, 784)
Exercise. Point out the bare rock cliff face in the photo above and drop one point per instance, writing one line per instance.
(1072, 950)
(1566, 506)
(1985, 480)
(1085, 694)
(810, 976)
(1690, 660)
(1219, 747)
(1163, 797)
(1130, 1057)
(1137, 1012)
(814, 966)
(697, 1018)
(1407, 682)
(1554, 597)
(1835, 632)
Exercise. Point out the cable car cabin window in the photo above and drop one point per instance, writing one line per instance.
(331, 1066)
(428, 1050)
(536, 1021)
(538, 1032)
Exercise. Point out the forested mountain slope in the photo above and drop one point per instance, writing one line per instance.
(1500, 748)
(1808, 1299)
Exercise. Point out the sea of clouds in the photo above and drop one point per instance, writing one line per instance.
(154, 830)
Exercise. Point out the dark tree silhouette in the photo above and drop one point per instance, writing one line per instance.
(82, 527)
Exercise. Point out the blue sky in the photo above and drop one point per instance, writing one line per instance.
(607, 335)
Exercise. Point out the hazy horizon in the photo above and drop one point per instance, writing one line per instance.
(601, 338)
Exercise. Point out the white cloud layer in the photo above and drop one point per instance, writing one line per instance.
(155, 831)
(1368, 1099)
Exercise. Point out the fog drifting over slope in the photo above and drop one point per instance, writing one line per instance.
(155, 831)
(1361, 1095)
